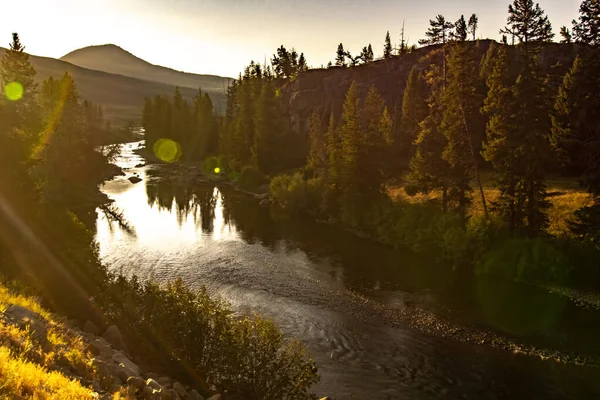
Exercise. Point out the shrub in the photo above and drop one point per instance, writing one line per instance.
(210, 165)
(534, 260)
(250, 178)
(195, 332)
(297, 195)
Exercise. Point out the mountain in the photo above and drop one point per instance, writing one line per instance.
(115, 60)
(121, 96)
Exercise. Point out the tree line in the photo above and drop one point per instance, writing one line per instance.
(51, 170)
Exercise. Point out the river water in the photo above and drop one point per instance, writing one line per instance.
(333, 291)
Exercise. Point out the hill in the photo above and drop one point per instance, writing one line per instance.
(121, 96)
(115, 60)
(323, 90)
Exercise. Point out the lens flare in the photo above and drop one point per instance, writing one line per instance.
(13, 91)
(167, 150)
(217, 170)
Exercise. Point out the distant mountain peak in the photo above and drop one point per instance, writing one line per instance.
(114, 59)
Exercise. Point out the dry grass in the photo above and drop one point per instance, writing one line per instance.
(22, 379)
(29, 371)
(566, 197)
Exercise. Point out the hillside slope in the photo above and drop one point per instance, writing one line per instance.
(323, 90)
(121, 96)
(115, 60)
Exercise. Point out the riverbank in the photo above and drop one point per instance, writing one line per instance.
(43, 355)
(426, 321)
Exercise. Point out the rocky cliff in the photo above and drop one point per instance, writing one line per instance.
(323, 90)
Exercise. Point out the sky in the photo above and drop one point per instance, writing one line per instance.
(220, 37)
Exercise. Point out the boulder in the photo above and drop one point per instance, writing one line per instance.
(99, 347)
(135, 179)
(173, 395)
(136, 382)
(24, 318)
(148, 393)
(113, 336)
(90, 327)
(217, 396)
(178, 387)
(103, 371)
(194, 395)
(120, 359)
(153, 384)
(164, 381)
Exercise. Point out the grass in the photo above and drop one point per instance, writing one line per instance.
(28, 370)
(565, 198)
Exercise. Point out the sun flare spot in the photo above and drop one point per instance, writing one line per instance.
(13, 91)
(167, 150)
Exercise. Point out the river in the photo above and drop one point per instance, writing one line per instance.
(338, 294)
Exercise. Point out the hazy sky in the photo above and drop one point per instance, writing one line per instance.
(222, 36)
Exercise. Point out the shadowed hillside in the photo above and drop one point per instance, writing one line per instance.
(113, 59)
(121, 96)
(324, 90)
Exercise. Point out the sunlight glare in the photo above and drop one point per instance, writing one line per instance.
(167, 150)
(13, 91)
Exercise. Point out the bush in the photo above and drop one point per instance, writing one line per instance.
(297, 195)
(213, 166)
(248, 356)
(533, 260)
(250, 178)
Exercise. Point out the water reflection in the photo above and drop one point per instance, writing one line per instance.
(301, 274)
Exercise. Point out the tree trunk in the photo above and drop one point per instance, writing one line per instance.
(475, 165)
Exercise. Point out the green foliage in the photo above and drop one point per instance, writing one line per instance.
(414, 111)
(586, 29)
(517, 142)
(340, 59)
(286, 64)
(247, 356)
(534, 260)
(298, 194)
(461, 30)
(193, 126)
(472, 25)
(387, 47)
(269, 132)
(250, 178)
(440, 31)
(528, 23)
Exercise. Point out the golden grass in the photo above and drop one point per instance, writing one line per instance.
(565, 198)
(22, 379)
(29, 371)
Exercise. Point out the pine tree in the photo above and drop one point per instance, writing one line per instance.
(414, 111)
(439, 31)
(517, 143)
(461, 30)
(317, 156)
(387, 47)
(567, 37)
(22, 111)
(473, 24)
(428, 170)
(528, 23)
(340, 59)
(461, 108)
(266, 150)
(587, 28)
(334, 149)
(576, 136)
(63, 178)
(302, 66)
